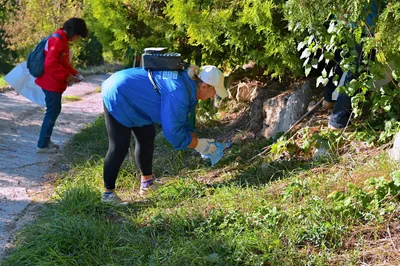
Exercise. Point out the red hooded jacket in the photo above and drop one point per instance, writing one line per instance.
(57, 67)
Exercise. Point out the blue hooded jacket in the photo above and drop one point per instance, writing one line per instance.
(131, 99)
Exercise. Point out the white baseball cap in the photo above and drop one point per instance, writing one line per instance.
(214, 77)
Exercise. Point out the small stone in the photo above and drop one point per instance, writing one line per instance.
(64, 167)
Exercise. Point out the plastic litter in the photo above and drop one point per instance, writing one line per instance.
(218, 153)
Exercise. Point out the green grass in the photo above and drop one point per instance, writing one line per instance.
(267, 212)
(71, 98)
(3, 83)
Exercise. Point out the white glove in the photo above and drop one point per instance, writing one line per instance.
(206, 146)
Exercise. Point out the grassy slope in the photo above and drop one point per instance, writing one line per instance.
(267, 212)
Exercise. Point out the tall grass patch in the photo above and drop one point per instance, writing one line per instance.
(265, 212)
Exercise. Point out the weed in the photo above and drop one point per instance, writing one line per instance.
(71, 98)
(3, 83)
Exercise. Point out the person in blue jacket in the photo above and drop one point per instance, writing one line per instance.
(133, 106)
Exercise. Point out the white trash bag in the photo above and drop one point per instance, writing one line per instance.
(24, 83)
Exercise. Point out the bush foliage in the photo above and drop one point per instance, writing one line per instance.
(281, 37)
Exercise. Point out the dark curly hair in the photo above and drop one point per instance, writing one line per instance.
(75, 26)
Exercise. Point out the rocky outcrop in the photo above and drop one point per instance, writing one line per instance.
(282, 111)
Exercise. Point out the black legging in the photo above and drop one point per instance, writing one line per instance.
(119, 138)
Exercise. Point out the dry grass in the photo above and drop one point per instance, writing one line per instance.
(372, 245)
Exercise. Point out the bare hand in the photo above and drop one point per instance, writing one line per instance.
(78, 78)
(70, 80)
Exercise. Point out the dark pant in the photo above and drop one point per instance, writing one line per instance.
(53, 109)
(342, 110)
(119, 139)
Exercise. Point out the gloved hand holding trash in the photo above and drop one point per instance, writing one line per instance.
(211, 149)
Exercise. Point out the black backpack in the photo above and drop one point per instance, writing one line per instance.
(158, 58)
(35, 62)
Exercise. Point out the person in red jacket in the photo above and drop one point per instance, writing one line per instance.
(58, 74)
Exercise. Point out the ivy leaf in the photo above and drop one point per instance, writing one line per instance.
(396, 178)
(301, 46)
(321, 57)
(335, 80)
(352, 87)
(387, 108)
(306, 53)
(331, 27)
(345, 67)
(358, 34)
(306, 61)
(344, 52)
(331, 73)
(310, 39)
(307, 70)
(290, 25)
(314, 63)
(332, 41)
(328, 55)
(322, 80)
(297, 26)
(325, 81)
(324, 73)
(350, 42)
(395, 74)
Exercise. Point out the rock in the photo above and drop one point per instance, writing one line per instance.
(321, 153)
(282, 111)
(64, 167)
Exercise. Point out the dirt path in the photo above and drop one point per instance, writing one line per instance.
(21, 168)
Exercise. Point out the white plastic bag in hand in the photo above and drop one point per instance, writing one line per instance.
(206, 146)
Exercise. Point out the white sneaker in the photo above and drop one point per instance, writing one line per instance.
(334, 128)
(47, 150)
(144, 191)
(111, 198)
